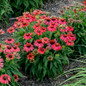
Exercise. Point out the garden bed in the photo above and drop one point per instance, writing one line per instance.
(25, 81)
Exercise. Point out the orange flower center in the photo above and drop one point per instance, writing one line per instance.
(52, 41)
(28, 45)
(39, 41)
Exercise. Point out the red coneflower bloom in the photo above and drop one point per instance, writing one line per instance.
(84, 2)
(9, 40)
(43, 29)
(56, 46)
(51, 28)
(5, 79)
(11, 30)
(0, 48)
(1, 31)
(74, 10)
(28, 47)
(10, 56)
(27, 36)
(25, 24)
(47, 21)
(70, 43)
(38, 43)
(41, 50)
(1, 62)
(8, 49)
(51, 42)
(70, 28)
(53, 19)
(37, 12)
(17, 24)
(16, 49)
(71, 37)
(38, 31)
(64, 37)
(62, 21)
(43, 16)
(26, 14)
(30, 56)
(16, 78)
(36, 26)
(40, 21)
(45, 40)
(16, 44)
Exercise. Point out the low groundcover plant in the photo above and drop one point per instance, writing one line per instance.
(44, 43)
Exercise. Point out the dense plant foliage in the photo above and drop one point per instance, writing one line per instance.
(44, 46)
(75, 15)
(9, 73)
(5, 10)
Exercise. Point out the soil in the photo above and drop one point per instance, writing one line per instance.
(53, 8)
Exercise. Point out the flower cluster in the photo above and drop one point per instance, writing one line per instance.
(75, 16)
(41, 38)
(8, 59)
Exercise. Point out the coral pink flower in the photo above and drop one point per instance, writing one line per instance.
(43, 16)
(41, 50)
(53, 19)
(54, 24)
(56, 46)
(45, 40)
(64, 37)
(5, 79)
(51, 28)
(1, 31)
(37, 12)
(26, 14)
(32, 18)
(38, 43)
(8, 49)
(62, 21)
(10, 56)
(71, 37)
(43, 29)
(19, 18)
(16, 44)
(16, 78)
(51, 42)
(28, 47)
(70, 43)
(38, 31)
(9, 40)
(27, 36)
(11, 30)
(1, 62)
(36, 26)
(74, 10)
(84, 2)
(30, 56)
(17, 24)
(25, 24)
(47, 21)
(16, 49)
(69, 28)
(0, 48)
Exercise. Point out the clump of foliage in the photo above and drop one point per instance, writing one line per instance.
(44, 43)
(5, 10)
(75, 15)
